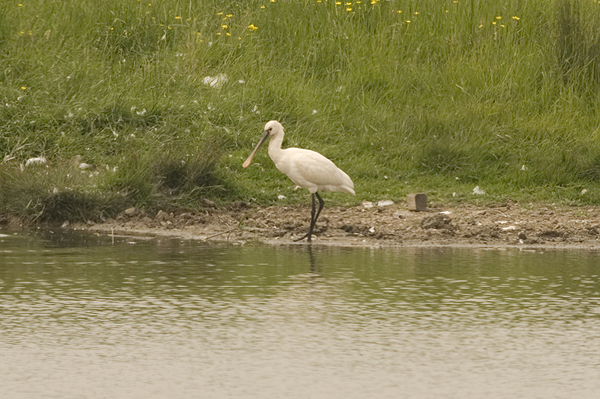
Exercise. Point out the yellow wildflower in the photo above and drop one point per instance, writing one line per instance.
(20, 5)
(178, 17)
(262, 7)
(516, 18)
(349, 9)
(224, 26)
(416, 13)
(252, 27)
(498, 17)
(408, 21)
(23, 88)
(338, 3)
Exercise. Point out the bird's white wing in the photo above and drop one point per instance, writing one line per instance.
(311, 170)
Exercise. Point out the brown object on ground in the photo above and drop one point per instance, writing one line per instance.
(416, 202)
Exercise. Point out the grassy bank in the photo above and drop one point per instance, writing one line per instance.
(406, 96)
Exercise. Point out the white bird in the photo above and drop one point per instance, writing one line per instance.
(306, 168)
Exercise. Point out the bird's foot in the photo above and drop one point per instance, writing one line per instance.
(302, 238)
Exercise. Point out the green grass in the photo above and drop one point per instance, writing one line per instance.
(504, 96)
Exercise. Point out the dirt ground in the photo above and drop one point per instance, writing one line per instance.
(506, 225)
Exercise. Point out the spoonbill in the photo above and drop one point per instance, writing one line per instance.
(306, 168)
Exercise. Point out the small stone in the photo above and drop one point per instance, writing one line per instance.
(550, 234)
(162, 216)
(130, 211)
(437, 221)
(522, 236)
(367, 204)
(184, 217)
(209, 203)
(417, 202)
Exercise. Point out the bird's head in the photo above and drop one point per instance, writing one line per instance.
(272, 128)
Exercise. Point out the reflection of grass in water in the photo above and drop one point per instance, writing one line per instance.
(465, 93)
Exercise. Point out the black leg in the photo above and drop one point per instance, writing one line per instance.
(313, 220)
(314, 215)
(321, 204)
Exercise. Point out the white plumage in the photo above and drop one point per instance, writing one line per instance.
(306, 168)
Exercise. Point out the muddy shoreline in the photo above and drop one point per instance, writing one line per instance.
(497, 226)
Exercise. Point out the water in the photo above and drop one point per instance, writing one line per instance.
(84, 316)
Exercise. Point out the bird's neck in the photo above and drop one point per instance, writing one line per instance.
(275, 150)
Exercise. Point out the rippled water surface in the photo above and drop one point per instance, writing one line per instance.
(85, 316)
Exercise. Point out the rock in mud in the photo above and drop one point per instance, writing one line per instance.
(163, 216)
(128, 213)
(438, 221)
(551, 234)
(353, 229)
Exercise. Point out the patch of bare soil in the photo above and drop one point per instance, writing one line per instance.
(507, 225)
